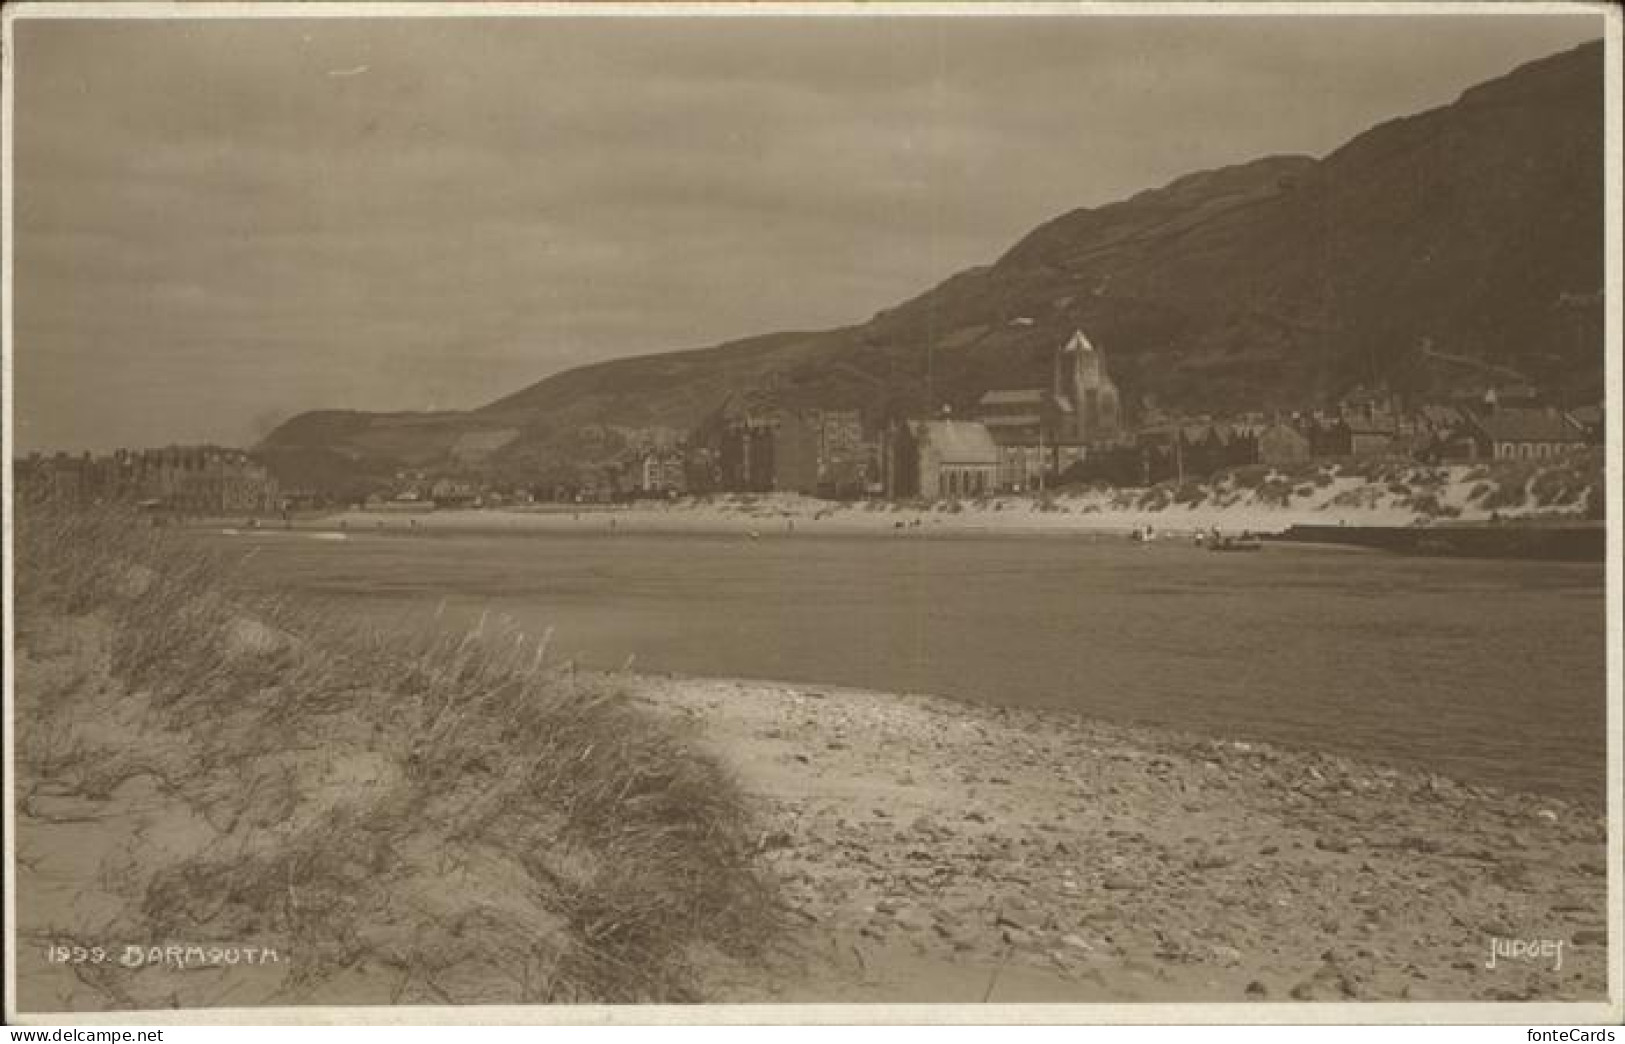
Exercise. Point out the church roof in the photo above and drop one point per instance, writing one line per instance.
(959, 442)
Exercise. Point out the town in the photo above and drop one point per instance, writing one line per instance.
(1074, 432)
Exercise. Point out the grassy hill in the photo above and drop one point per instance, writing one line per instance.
(1422, 253)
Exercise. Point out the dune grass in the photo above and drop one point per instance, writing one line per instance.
(420, 817)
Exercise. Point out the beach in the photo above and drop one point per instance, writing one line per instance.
(788, 514)
(935, 851)
(927, 850)
(1257, 500)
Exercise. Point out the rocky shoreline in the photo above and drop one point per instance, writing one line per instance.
(936, 851)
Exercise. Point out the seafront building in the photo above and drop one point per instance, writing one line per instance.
(749, 448)
(943, 459)
(1528, 434)
(198, 480)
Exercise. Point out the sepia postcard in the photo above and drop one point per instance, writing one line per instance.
(835, 513)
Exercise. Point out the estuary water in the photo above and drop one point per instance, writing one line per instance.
(1490, 671)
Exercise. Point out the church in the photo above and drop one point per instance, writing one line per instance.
(1045, 431)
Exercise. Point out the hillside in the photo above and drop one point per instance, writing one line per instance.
(1420, 253)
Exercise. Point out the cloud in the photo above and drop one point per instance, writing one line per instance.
(219, 219)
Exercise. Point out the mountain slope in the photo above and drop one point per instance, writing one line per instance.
(1454, 233)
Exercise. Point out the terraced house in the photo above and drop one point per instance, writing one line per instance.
(201, 480)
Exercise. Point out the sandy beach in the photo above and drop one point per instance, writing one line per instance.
(790, 514)
(1259, 501)
(928, 850)
(939, 851)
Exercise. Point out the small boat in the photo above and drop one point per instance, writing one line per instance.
(1236, 544)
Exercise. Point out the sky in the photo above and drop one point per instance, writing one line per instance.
(222, 223)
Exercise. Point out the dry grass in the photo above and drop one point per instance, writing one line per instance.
(453, 815)
(1571, 482)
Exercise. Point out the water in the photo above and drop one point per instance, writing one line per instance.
(1490, 671)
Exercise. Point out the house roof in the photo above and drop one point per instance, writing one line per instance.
(1013, 397)
(1280, 428)
(1441, 416)
(1525, 425)
(959, 442)
(1013, 420)
(1416, 442)
(1372, 425)
(1363, 396)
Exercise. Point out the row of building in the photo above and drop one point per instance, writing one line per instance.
(1074, 431)
(197, 480)
(953, 458)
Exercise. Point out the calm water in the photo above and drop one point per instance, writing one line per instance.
(1489, 671)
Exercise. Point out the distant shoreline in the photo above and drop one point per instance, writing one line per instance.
(1260, 501)
(788, 515)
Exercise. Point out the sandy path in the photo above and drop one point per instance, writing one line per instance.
(937, 851)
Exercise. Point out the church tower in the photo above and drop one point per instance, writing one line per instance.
(1081, 383)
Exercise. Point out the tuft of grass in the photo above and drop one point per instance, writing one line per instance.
(1251, 476)
(1276, 492)
(1157, 498)
(1428, 505)
(454, 816)
(1190, 494)
(1505, 495)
